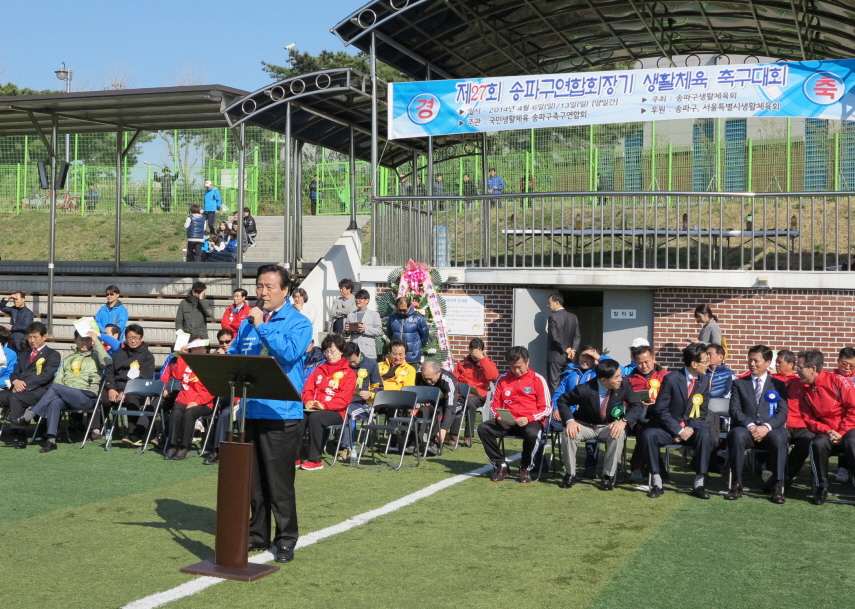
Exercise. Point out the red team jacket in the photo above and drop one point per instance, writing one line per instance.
(332, 385)
(639, 383)
(795, 388)
(478, 375)
(231, 320)
(192, 389)
(525, 396)
(828, 404)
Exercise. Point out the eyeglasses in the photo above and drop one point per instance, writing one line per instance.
(846, 365)
(133, 339)
(225, 342)
(331, 351)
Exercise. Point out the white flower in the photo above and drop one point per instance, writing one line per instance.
(431, 351)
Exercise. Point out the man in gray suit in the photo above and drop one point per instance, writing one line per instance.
(563, 339)
(364, 326)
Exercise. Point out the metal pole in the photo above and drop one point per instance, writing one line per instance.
(485, 203)
(52, 246)
(374, 147)
(67, 135)
(289, 236)
(241, 184)
(352, 225)
(298, 201)
(119, 149)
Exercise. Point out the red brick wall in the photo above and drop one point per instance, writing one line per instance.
(780, 319)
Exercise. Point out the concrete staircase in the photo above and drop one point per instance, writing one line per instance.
(319, 235)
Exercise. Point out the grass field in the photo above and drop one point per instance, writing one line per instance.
(85, 528)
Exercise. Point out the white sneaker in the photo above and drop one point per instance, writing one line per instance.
(842, 474)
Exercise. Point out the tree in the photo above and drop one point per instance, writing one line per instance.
(303, 63)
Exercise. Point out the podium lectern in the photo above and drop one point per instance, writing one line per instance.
(247, 376)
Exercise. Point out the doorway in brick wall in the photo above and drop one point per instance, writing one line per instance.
(587, 305)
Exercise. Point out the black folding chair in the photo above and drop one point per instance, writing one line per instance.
(428, 400)
(388, 404)
(464, 391)
(148, 389)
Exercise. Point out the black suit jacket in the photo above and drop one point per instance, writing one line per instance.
(673, 404)
(744, 409)
(587, 397)
(28, 372)
(563, 333)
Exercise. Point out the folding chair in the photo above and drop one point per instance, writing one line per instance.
(464, 392)
(98, 407)
(147, 389)
(540, 454)
(212, 419)
(340, 427)
(388, 403)
(430, 396)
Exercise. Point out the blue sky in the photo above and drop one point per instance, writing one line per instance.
(159, 43)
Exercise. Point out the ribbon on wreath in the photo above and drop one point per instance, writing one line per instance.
(415, 278)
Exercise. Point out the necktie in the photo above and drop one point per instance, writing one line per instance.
(758, 390)
(33, 355)
(267, 315)
(604, 405)
(691, 387)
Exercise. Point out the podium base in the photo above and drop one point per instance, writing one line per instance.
(250, 574)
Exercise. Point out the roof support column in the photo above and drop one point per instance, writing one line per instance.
(241, 186)
(428, 238)
(289, 260)
(54, 135)
(119, 157)
(485, 203)
(298, 202)
(352, 225)
(374, 152)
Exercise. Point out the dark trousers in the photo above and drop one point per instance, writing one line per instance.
(800, 439)
(18, 402)
(58, 398)
(183, 422)
(475, 402)
(194, 251)
(739, 440)
(490, 432)
(822, 448)
(212, 221)
(636, 462)
(654, 438)
(553, 374)
(276, 445)
(317, 422)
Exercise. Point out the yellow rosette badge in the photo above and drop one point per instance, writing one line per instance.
(654, 385)
(697, 400)
(360, 377)
(75, 368)
(39, 365)
(335, 379)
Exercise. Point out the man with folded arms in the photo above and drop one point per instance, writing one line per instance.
(758, 417)
(679, 416)
(828, 410)
(602, 414)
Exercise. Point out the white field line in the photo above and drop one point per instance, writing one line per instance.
(200, 583)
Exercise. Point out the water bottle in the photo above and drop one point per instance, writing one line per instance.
(109, 437)
(749, 222)
(577, 224)
(353, 455)
(685, 221)
(794, 223)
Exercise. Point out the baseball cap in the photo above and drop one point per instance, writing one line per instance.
(209, 183)
(639, 342)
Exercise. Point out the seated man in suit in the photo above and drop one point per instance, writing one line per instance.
(33, 375)
(758, 417)
(828, 410)
(602, 414)
(679, 416)
(525, 395)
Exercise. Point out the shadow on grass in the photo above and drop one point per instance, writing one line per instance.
(179, 518)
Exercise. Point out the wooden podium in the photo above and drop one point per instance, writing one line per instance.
(253, 376)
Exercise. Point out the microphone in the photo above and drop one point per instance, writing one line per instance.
(259, 303)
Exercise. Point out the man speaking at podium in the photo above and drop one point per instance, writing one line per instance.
(274, 426)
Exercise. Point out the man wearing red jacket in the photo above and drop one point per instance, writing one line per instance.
(236, 313)
(647, 376)
(800, 435)
(193, 401)
(524, 393)
(327, 394)
(828, 410)
(478, 371)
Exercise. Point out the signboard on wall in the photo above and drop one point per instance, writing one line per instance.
(814, 89)
(465, 315)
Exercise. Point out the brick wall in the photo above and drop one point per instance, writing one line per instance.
(780, 319)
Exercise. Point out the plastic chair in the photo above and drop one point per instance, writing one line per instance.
(388, 404)
(146, 389)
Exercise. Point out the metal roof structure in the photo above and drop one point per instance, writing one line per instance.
(193, 107)
(476, 38)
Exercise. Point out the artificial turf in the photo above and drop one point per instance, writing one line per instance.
(94, 529)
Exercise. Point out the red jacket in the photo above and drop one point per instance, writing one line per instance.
(332, 385)
(525, 396)
(231, 319)
(829, 404)
(795, 388)
(192, 389)
(639, 383)
(478, 374)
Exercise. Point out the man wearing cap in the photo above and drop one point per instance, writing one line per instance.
(646, 376)
(213, 202)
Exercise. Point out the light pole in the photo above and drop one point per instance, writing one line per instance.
(289, 48)
(65, 74)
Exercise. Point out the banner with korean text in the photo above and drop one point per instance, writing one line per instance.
(817, 89)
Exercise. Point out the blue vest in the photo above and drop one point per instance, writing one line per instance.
(196, 230)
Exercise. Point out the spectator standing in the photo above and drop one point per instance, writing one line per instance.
(249, 227)
(21, 317)
(114, 312)
(563, 338)
(495, 183)
(476, 370)
(313, 196)
(194, 311)
(409, 326)
(710, 332)
(213, 203)
(438, 186)
(237, 312)
(166, 182)
(342, 306)
(364, 325)
(91, 198)
(195, 225)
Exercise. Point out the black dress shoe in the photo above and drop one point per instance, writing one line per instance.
(607, 484)
(258, 547)
(567, 481)
(700, 492)
(734, 493)
(778, 494)
(284, 554)
(820, 496)
(212, 459)
(19, 421)
(655, 492)
(20, 444)
(48, 447)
